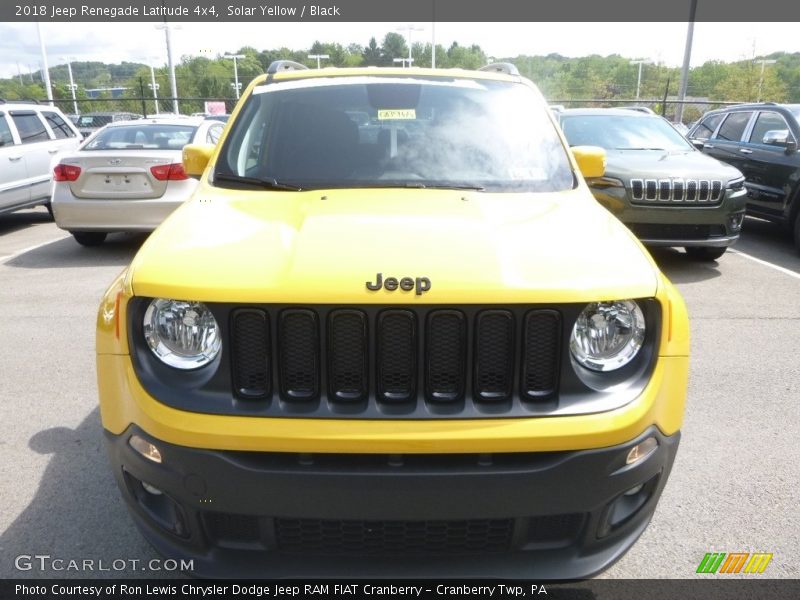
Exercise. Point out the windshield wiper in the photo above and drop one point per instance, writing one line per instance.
(268, 183)
(662, 149)
(418, 185)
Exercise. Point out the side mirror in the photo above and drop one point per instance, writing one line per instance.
(698, 143)
(781, 138)
(196, 157)
(591, 160)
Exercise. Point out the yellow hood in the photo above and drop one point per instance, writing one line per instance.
(323, 246)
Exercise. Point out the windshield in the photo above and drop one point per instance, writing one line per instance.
(390, 132)
(620, 132)
(94, 120)
(142, 137)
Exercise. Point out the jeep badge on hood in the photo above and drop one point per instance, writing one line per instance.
(420, 284)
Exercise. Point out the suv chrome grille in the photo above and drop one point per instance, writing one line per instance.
(650, 191)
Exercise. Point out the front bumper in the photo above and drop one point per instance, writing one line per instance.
(541, 515)
(664, 224)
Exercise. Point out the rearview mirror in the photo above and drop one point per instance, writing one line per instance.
(196, 157)
(591, 160)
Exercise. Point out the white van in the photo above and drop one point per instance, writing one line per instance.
(31, 135)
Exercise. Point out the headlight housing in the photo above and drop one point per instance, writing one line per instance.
(607, 335)
(184, 335)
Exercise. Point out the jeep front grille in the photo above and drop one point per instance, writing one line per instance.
(691, 192)
(421, 361)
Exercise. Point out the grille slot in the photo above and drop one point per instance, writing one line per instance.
(348, 356)
(365, 538)
(250, 354)
(494, 355)
(704, 191)
(446, 351)
(677, 190)
(540, 354)
(396, 356)
(299, 355)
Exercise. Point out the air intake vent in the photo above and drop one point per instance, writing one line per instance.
(299, 355)
(540, 354)
(370, 538)
(397, 356)
(250, 354)
(494, 360)
(446, 352)
(348, 356)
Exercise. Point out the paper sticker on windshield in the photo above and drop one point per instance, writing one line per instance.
(397, 114)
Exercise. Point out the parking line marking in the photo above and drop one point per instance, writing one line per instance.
(30, 248)
(783, 270)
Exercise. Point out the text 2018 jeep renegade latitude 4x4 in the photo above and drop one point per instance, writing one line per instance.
(392, 333)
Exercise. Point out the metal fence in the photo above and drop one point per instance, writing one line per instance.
(140, 105)
(693, 108)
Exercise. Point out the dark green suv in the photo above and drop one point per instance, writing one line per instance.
(658, 184)
(761, 141)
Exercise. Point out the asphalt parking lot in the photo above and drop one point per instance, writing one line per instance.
(734, 486)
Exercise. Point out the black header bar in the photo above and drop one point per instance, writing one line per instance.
(399, 10)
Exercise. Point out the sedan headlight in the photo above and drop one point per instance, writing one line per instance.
(607, 335)
(181, 334)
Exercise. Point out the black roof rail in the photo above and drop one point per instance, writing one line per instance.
(285, 65)
(503, 67)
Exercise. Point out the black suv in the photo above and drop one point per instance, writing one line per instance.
(761, 141)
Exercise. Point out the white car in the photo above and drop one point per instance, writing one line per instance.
(31, 137)
(127, 177)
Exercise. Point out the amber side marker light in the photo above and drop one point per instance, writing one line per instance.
(145, 448)
(641, 451)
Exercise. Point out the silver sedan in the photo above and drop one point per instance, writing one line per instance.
(126, 177)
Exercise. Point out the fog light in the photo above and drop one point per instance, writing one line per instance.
(735, 221)
(641, 451)
(634, 490)
(145, 448)
(157, 492)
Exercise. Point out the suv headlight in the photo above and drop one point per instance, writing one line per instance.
(607, 335)
(181, 334)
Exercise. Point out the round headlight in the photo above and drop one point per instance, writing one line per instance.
(607, 335)
(183, 335)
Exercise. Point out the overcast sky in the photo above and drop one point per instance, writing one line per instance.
(661, 42)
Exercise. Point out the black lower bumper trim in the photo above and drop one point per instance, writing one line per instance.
(549, 515)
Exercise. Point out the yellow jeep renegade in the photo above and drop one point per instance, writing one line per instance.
(392, 333)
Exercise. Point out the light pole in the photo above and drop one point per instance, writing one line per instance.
(433, 44)
(45, 69)
(404, 61)
(764, 62)
(236, 85)
(640, 62)
(410, 27)
(167, 28)
(687, 58)
(154, 86)
(318, 57)
(72, 87)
